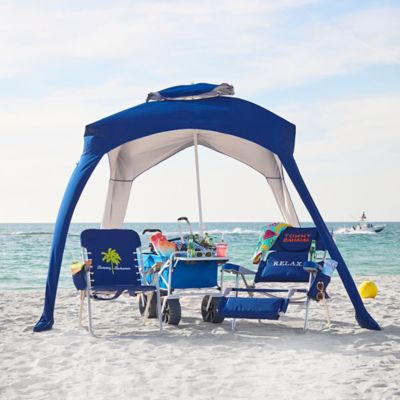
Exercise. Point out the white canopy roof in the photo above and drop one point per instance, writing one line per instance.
(133, 158)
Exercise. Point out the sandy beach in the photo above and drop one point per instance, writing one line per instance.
(197, 360)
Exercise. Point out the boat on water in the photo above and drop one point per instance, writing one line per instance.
(364, 226)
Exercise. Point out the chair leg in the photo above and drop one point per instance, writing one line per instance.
(236, 295)
(328, 317)
(306, 315)
(160, 323)
(89, 313)
(147, 308)
(82, 295)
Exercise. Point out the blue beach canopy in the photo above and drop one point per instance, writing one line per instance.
(171, 120)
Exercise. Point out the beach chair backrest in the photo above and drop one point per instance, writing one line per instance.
(297, 240)
(114, 256)
(284, 262)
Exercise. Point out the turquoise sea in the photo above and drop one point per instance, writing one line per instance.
(25, 248)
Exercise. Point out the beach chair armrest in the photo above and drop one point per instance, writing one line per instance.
(237, 269)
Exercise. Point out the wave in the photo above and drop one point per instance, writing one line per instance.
(22, 233)
(349, 231)
(237, 230)
(234, 231)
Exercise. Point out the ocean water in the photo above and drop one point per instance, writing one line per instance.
(25, 248)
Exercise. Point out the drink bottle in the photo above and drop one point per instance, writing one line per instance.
(206, 240)
(190, 247)
(313, 251)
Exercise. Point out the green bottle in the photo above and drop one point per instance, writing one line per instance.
(206, 240)
(190, 248)
(312, 254)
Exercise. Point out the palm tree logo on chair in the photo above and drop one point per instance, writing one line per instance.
(111, 256)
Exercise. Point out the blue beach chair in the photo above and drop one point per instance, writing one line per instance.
(114, 267)
(282, 264)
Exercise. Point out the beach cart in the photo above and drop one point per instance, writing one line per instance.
(182, 275)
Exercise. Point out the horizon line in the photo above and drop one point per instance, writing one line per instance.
(196, 222)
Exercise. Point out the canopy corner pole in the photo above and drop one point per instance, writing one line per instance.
(196, 158)
(363, 318)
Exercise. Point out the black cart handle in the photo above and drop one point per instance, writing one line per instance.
(151, 231)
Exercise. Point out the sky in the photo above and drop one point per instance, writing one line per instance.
(330, 67)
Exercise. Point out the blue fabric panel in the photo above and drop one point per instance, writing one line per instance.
(283, 267)
(78, 180)
(228, 115)
(149, 259)
(320, 277)
(101, 243)
(298, 239)
(251, 307)
(230, 266)
(186, 275)
(195, 275)
(187, 90)
(362, 316)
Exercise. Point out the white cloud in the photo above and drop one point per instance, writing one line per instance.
(348, 153)
(138, 32)
(340, 45)
(243, 42)
(257, 45)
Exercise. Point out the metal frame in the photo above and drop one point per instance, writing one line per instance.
(85, 256)
(172, 293)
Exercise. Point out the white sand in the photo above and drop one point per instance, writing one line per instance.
(273, 360)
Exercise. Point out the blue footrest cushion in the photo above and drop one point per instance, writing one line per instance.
(252, 307)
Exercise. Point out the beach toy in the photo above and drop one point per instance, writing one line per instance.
(161, 245)
(368, 290)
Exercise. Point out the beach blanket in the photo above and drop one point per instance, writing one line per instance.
(267, 239)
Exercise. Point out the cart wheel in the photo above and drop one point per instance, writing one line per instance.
(172, 312)
(153, 305)
(211, 315)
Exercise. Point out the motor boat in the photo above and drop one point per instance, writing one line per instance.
(364, 226)
(368, 227)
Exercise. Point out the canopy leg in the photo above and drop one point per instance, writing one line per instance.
(363, 318)
(76, 184)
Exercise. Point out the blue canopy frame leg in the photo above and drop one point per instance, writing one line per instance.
(363, 318)
(79, 178)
